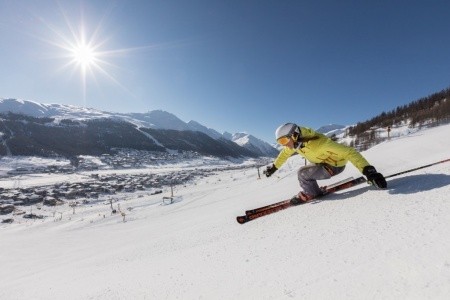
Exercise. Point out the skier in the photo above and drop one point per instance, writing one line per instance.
(328, 157)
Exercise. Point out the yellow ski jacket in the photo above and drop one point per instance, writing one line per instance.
(318, 148)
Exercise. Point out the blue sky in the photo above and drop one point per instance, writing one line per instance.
(231, 65)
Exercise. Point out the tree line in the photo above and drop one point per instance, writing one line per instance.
(432, 110)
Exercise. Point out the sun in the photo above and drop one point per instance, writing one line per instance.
(83, 50)
(84, 55)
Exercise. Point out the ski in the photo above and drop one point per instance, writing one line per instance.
(275, 207)
(328, 188)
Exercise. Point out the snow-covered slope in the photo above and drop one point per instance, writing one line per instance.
(363, 243)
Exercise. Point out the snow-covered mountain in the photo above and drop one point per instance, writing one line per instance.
(227, 135)
(254, 144)
(38, 110)
(156, 119)
(331, 129)
(195, 126)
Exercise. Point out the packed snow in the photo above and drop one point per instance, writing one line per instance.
(361, 243)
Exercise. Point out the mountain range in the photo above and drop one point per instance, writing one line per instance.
(28, 128)
(331, 129)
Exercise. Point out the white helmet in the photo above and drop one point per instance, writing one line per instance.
(287, 129)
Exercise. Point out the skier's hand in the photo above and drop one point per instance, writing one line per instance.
(270, 170)
(374, 177)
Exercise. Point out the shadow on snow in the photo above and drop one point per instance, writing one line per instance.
(405, 185)
(417, 183)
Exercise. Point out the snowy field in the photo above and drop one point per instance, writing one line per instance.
(363, 243)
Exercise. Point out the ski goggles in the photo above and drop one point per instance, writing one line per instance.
(284, 140)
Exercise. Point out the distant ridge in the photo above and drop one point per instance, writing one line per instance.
(157, 119)
(331, 129)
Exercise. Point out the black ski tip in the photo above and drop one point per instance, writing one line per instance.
(242, 219)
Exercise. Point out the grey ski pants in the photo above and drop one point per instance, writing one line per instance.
(308, 176)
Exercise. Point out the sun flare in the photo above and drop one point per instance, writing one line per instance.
(83, 52)
(84, 55)
(81, 48)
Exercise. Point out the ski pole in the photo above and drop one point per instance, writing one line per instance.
(422, 167)
(283, 177)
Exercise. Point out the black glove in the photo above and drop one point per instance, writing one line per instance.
(270, 170)
(374, 177)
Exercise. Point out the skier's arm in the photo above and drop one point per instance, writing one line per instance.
(348, 153)
(283, 156)
(361, 164)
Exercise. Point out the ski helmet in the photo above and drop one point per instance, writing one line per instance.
(287, 130)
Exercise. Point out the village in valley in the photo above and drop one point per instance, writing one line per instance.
(101, 177)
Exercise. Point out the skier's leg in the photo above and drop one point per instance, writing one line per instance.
(308, 176)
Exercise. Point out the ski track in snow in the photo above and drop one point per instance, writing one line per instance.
(362, 243)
